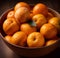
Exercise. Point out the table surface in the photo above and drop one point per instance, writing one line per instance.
(5, 52)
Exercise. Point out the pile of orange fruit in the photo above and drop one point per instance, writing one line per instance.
(20, 32)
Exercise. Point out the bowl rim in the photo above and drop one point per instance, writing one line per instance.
(2, 37)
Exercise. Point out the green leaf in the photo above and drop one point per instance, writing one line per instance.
(32, 23)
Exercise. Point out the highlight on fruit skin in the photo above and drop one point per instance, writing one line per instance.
(50, 42)
(19, 38)
(11, 14)
(22, 14)
(48, 31)
(21, 4)
(8, 38)
(27, 28)
(39, 19)
(35, 39)
(10, 26)
(40, 8)
(56, 22)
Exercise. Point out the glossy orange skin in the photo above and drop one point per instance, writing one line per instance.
(39, 19)
(21, 4)
(35, 39)
(10, 14)
(10, 26)
(19, 38)
(22, 15)
(27, 28)
(56, 22)
(8, 38)
(50, 42)
(40, 9)
(48, 31)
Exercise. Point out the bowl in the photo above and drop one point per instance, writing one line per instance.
(25, 51)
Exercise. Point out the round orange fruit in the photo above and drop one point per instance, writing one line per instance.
(56, 22)
(39, 19)
(27, 28)
(22, 14)
(48, 31)
(40, 9)
(35, 39)
(19, 38)
(10, 26)
(21, 4)
(10, 14)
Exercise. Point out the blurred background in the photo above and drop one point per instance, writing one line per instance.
(6, 4)
(5, 52)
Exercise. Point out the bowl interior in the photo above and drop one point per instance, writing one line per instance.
(3, 17)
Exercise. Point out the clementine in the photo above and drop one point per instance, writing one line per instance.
(21, 4)
(40, 9)
(19, 38)
(39, 19)
(27, 28)
(10, 26)
(56, 22)
(48, 31)
(35, 39)
(22, 14)
(10, 14)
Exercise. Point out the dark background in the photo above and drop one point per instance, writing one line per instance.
(5, 52)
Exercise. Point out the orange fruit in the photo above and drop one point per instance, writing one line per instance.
(21, 4)
(35, 39)
(48, 31)
(10, 14)
(40, 9)
(10, 26)
(27, 28)
(56, 22)
(50, 42)
(8, 38)
(39, 19)
(22, 15)
(19, 38)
